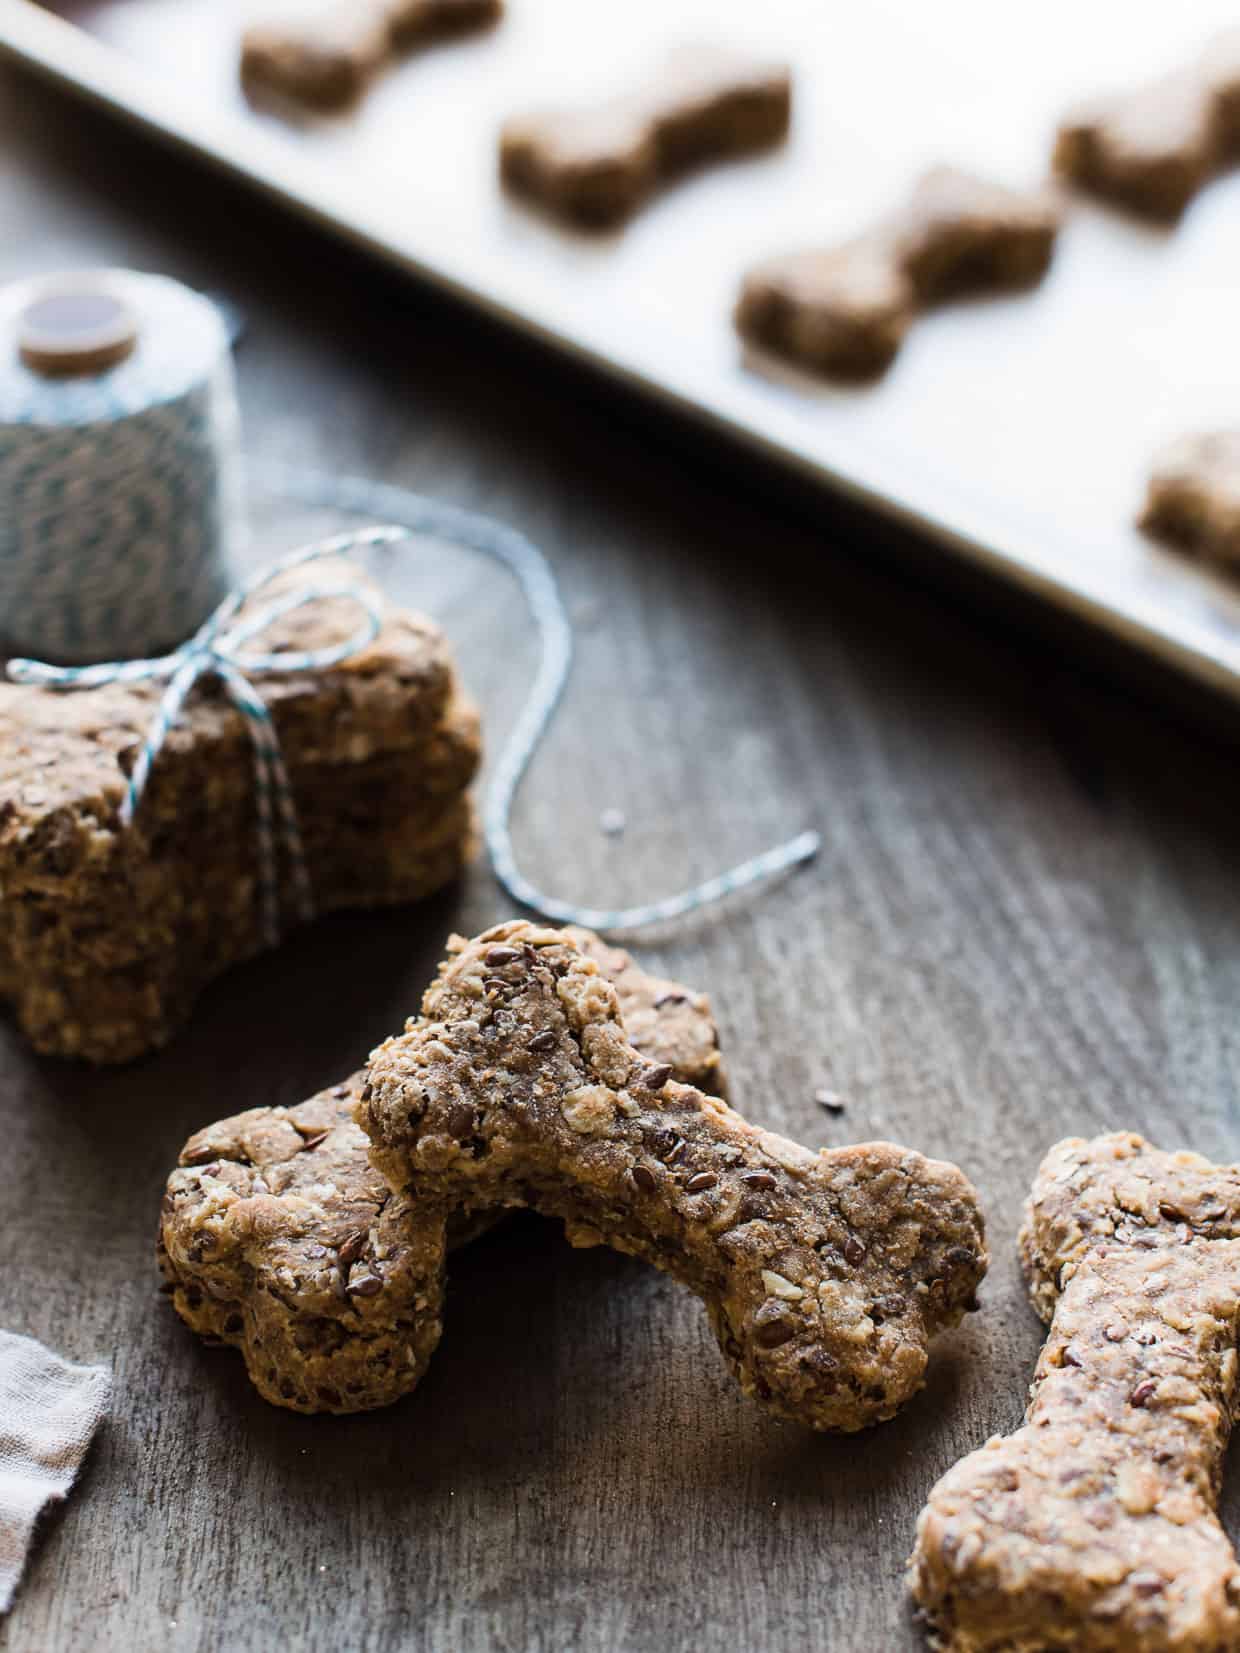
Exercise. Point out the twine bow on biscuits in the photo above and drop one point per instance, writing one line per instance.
(215, 650)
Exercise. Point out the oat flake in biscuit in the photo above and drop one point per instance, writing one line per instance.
(1094, 1526)
(279, 1237)
(825, 1275)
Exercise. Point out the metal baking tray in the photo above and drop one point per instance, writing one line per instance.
(1017, 430)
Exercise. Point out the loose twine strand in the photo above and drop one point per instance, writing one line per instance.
(216, 648)
(528, 566)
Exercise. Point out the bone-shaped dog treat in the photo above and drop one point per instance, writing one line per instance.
(596, 166)
(825, 1275)
(1152, 149)
(1193, 497)
(278, 1236)
(108, 932)
(844, 310)
(328, 59)
(1093, 1527)
(325, 60)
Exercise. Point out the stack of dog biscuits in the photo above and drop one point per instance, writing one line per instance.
(108, 932)
(546, 1071)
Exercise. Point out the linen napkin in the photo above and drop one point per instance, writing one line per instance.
(49, 1410)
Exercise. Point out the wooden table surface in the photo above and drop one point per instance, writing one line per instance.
(1025, 922)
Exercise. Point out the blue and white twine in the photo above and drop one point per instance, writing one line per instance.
(214, 650)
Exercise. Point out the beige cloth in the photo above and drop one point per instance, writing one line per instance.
(49, 1410)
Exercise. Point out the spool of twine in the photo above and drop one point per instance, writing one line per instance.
(119, 465)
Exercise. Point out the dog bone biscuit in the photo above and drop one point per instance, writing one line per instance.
(1094, 1526)
(279, 1237)
(1151, 150)
(328, 59)
(844, 310)
(825, 1275)
(109, 932)
(595, 167)
(1193, 496)
(325, 61)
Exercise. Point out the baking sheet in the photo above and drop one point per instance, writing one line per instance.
(1017, 429)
